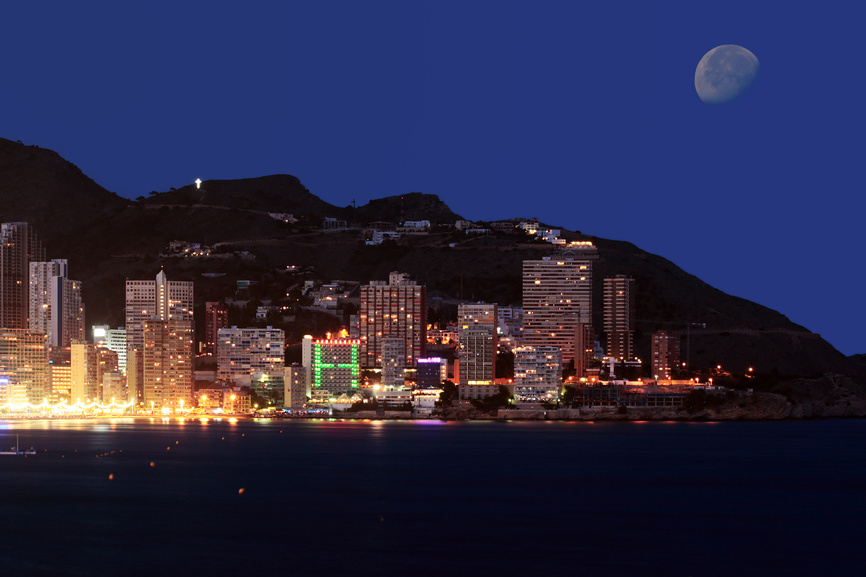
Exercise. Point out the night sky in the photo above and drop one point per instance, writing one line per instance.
(582, 114)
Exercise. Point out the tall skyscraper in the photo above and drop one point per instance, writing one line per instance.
(159, 324)
(56, 306)
(557, 295)
(619, 317)
(397, 308)
(216, 318)
(19, 246)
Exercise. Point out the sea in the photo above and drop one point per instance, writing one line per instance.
(331, 497)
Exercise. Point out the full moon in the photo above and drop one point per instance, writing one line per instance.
(724, 73)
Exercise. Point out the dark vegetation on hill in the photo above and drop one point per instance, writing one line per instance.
(108, 239)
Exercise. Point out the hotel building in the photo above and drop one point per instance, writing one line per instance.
(396, 309)
(430, 372)
(331, 364)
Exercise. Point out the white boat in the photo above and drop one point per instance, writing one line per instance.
(17, 451)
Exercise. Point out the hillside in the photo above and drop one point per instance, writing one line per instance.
(412, 206)
(108, 239)
(275, 193)
(40, 187)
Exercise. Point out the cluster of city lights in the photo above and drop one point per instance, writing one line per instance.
(64, 407)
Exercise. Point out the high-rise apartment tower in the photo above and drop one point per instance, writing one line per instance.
(19, 246)
(557, 295)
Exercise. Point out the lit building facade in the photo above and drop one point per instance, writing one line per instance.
(393, 363)
(41, 299)
(113, 340)
(114, 387)
(84, 372)
(476, 349)
(160, 299)
(88, 364)
(159, 324)
(430, 372)
(537, 373)
(665, 354)
(398, 309)
(619, 306)
(248, 354)
(19, 246)
(510, 321)
(216, 318)
(60, 377)
(23, 366)
(296, 388)
(584, 351)
(167, 363)
(332, 364)
(254, 357)
(56, 307)
(557, 295)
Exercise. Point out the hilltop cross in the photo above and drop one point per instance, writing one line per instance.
(198, 183)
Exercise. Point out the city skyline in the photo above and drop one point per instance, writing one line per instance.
(584, 116)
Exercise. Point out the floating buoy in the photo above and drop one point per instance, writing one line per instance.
(152, 464)
(241, 491)
(111, 476)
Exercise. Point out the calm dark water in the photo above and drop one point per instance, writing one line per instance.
(374, 498)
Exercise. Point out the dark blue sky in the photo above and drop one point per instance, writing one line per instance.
(584, 116)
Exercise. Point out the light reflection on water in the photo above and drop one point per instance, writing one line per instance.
(760, 489)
